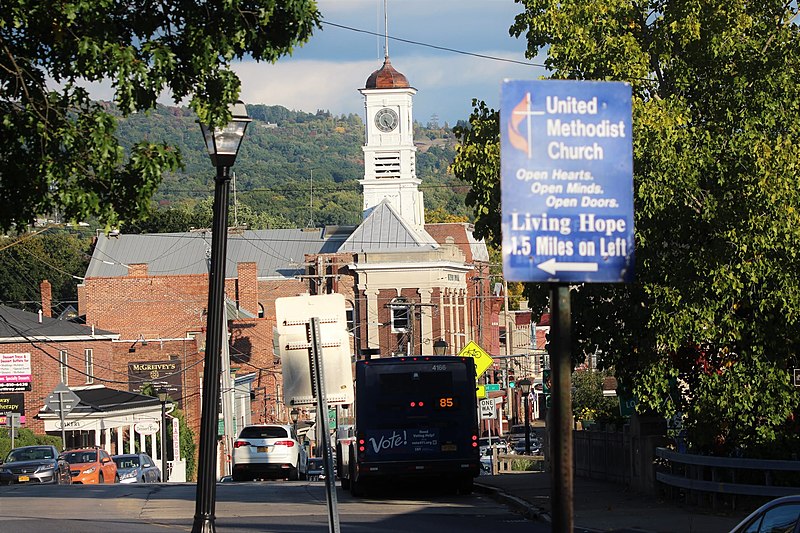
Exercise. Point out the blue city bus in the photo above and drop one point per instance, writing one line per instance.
(414, 418)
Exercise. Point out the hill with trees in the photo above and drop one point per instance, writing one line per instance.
(294, 168)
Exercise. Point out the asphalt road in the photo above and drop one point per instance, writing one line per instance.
(269, 506)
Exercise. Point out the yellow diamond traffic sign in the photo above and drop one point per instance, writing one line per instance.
(482, 359)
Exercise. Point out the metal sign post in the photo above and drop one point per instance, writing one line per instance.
(12, 422)
(62, 401)
(318, 376)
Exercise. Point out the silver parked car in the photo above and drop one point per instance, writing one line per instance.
(268, 451)
(781, 515)
(137, 468)
(34, 464)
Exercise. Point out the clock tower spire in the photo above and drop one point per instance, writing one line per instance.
(389, 151)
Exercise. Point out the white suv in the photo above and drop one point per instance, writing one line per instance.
(268, 450)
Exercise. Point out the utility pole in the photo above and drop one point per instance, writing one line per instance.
(509, 395)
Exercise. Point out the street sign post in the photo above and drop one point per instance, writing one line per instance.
(566, 159)
(62, 401)
(488, 410)
(566, 181)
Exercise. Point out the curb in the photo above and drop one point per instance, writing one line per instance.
(518, 505)
(531, 512)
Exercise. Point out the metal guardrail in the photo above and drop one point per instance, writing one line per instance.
(723, 476)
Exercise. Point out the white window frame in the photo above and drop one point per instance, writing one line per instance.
(63, 360)
(88, 356)
(400, 314)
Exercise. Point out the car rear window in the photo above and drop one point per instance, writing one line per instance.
(263, 432)
(80, 457)
(127, 461)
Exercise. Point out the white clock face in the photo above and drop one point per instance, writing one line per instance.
(386, 119)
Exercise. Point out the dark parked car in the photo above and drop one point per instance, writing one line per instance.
(34, 464)
(781, 515)
(315, 468)
(137, 468)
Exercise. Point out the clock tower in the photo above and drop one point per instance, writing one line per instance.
(389, 151)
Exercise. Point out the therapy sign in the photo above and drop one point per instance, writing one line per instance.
(566, 181)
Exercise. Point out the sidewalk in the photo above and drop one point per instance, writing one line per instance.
(601, 506)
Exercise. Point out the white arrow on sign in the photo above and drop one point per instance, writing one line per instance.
(551, 266)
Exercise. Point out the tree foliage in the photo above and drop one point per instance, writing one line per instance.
(58, 149)
(588, 402)
(58, 256)
(716, 300)
(25, 437)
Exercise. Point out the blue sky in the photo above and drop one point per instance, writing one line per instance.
(328, 71)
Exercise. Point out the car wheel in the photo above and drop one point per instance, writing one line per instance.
(238, 475)
(100, 479)
(143, 480)
(294, 474)
(116, 478)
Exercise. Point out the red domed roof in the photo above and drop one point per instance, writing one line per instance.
(387, 77)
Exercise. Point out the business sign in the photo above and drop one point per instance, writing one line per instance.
(15, 372)
(160, 374)
(566, 181)
(12, 403)
(150, 427)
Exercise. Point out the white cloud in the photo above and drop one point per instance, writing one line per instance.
(446, 84)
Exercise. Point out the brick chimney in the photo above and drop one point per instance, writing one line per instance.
(47, 298)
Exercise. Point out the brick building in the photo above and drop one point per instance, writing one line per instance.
(407, 284)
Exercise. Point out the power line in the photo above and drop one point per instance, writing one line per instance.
(436, 47)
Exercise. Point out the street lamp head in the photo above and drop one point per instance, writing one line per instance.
(223, 143)
(524, 385)
(295, 414)
(162, 395)
(440, 347)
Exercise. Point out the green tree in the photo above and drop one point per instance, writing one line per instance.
(198, 214)
(54, 255)
(24, 437)
(716, 297)
(58, 149)
(588, 402)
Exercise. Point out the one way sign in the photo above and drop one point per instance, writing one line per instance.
(488, 409)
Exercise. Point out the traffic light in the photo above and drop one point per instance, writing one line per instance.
(547, 381)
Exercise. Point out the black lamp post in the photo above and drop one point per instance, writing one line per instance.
(162, 396)
(525, 388)
(223, 146)
(440, 347)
